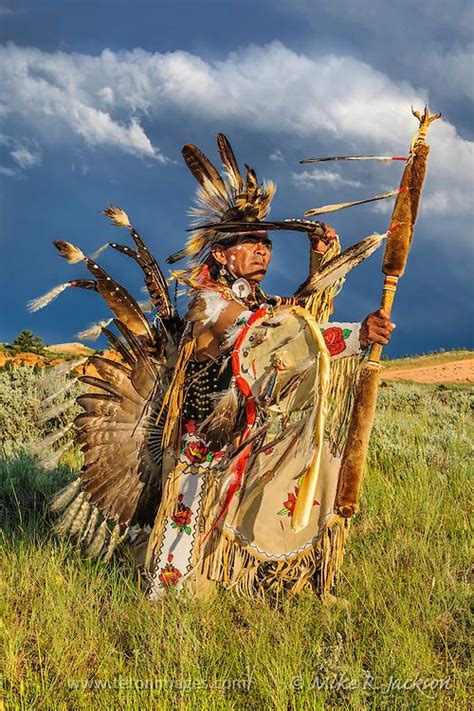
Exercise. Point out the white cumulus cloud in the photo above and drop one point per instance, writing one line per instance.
(104, 101)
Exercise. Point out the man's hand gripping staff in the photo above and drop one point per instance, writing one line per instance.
(396, 252)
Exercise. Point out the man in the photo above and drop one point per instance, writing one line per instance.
(206, 480)
(248, 257)
(208, 433)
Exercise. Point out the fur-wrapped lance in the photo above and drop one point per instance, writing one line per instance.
(396, 252)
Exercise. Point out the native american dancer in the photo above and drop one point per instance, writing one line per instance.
(212, 445)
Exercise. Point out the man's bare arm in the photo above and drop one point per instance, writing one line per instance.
(209, 341)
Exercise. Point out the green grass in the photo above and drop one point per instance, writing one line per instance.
(402, 613)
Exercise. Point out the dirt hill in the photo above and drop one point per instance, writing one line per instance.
(75, 348)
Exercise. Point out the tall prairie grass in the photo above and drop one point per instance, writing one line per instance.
(79, 634)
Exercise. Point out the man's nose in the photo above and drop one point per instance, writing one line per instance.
(260, 248)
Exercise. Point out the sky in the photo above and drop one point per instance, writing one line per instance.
(97, 98)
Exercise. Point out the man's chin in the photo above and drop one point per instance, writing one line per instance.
(256, 276)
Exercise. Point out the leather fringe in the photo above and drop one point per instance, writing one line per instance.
(239, 570)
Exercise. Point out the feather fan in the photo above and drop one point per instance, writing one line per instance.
(117, 298)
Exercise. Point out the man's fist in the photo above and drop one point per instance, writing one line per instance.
(376, 328)
(321, 237)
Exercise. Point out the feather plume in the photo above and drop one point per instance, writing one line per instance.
(93, 332)
(69, 251)
(155, 282)
(339, 266)
(118, 216)
(230, 163)
(218, 201)
(220, 426)
(343, 205)
(74, 255)
(41, 301)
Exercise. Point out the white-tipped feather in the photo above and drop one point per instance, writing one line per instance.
(88, 534)
(44, 444)
(42, 301)
(97, 543)
(342, 205)
(56, 410)
(339, 266)
(65, 522)
(94, 331)
(54, 459)
(65, 496)
(58, 371)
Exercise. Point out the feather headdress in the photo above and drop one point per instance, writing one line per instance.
(221, 199)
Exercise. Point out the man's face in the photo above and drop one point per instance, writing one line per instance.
(248, 258)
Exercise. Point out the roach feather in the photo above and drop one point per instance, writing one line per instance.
(202, 169)
(230, 163)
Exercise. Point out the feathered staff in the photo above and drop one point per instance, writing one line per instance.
(398, 245)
